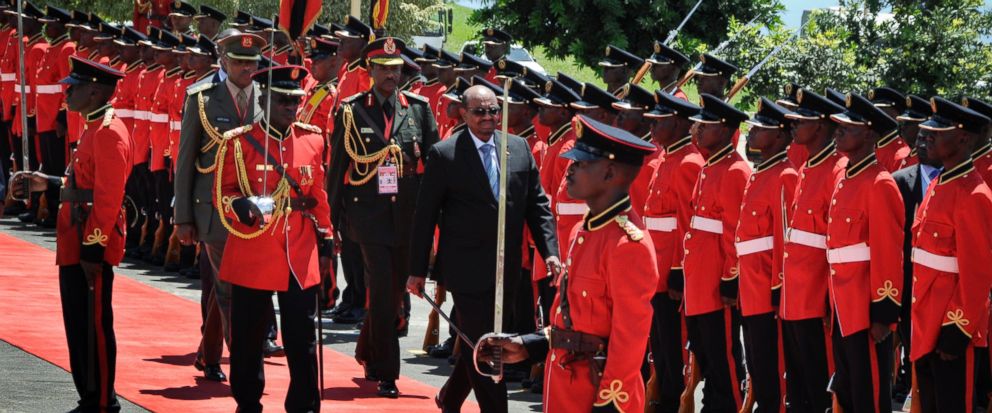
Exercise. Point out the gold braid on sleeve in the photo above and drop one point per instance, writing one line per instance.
(365, 166)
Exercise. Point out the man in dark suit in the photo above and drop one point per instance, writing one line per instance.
(913, 182)
(459, 194)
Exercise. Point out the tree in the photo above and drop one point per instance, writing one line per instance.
(583, 28)
(406, 17)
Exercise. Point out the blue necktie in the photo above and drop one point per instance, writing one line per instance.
(491, 172)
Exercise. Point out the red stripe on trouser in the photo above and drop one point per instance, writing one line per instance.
(781, 365)
(874, 371)
(830, 349)
(731, 362)
(101, 340)
(969, 378)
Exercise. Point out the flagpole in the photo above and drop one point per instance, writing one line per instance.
(25, 137)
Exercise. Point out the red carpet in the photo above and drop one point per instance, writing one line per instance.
(157, 334)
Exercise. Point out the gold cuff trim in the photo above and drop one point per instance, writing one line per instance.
(887, 291)
(97, 237)
(613, 395)
(956, 317)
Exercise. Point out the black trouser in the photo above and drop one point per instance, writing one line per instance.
(164, 192)
(983, 378)
(714, 341)
(863, 372)
(945, 385)
(761, 348)
(546, 297)
(135, 202)
(666, 351)
(297, 310)
(52, 163)
(212, 325)
(805, 346)
(92, 343)
(353, 268)
(523, 321)
(475, 318)
(378, 347)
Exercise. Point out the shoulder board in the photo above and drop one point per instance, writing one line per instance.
(199, 87)
(241, 130)
(634, 233)
(108, 117)
(353, 98)
(415, 96)
(307, 127)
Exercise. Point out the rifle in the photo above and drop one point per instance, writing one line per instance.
(671, 36)
(651, 397)
(688, 75)
(433, 333)
(687, 402)
(743, 80)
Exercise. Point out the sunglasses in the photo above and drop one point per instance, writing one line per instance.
(494, 110)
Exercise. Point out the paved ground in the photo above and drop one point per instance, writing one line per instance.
(31, 384)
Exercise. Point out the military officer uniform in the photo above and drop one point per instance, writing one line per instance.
(291, 174)
(864, 249)
(666, 216)
(803, 306)
(602, 313)
(798, 154)
(318, 106)
(378, 143)
(759, 241)
(91, 228)
(711, 266)
(952, 237)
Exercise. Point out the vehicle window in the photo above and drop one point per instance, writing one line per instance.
(518, 54)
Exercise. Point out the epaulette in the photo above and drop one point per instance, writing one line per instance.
(241, 130)
(108, 117)
(308, 127)
(353, 98)
(634, 233)
(416, 96)
(199, 87)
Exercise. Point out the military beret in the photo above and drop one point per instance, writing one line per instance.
(948, 115)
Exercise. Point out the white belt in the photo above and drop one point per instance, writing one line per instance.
(572, 209)
(141, 114)
(755, 245)
(124, 113)
(937, 262)
(665, 224)
(175, 125)
(707, 224)
(158, 117)
(48, 89)
(6, 77)
(17, 88)
(809, 239)
(851, 253)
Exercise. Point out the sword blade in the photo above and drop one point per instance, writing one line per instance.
(454, 326)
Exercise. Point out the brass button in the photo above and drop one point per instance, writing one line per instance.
(847, 220)
(393, 198)
(368, 140)
(284, 149)
(688, 236)
(583, 293)
(568, 261)
(702, 176)
(914, 299)
(752, 178)
(935, 235)
(581, 240)
(914, 279)
(737, 239)
(828, 238)
(686, 252)
(259, 180)
(785, 255)
(833, 272)
(558, 310)
(833, 202)
(840, 185)
(753, 213)
(553, 357)
(809, 211)
(702, 208)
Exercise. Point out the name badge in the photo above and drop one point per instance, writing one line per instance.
(367, 130)
(222, 119)
(388, 177)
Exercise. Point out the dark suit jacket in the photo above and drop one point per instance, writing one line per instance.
(911, 188)
(455, 196)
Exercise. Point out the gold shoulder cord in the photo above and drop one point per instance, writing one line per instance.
(364, 167)
(280, 195)
(216, 138)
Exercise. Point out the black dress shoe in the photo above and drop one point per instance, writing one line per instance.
(171, 267)
(271, 349)
(340, 309)
(15, 208)
(351, 317)
(47, 223)
(387, 388)
(214, 373)
(26, 217)
(442, 350)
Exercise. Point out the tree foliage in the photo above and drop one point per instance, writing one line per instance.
(406, 17)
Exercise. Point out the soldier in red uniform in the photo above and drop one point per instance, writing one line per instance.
(354, 77)
(982, 155)
(410, 78)
(891, 149)
(496, 45)
(666, 216)
(952, 247)
(917, 110)
(50, 119)
(803, 305)
(35, 48)
(208, 21)
(432, 82)
(635, 103)
(666, 66)
(445, 75)
(452, 101)
(160, 162)
(797, 153)
(282, 207)
(602, 313)
(759, 241)
(713, 78)
(864, 249)
(90, 234)
(318, 107)
(618, 66)
(710, 261)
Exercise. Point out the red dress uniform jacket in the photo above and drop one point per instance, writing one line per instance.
(909, 160)
(8, 70)
(261, 262)
(552, 174)
(432, 90)
(864, 247)
(806, 267)
(798, 154)
(611, 278)
(354, 79)
(890, 151)
(952, 249)
(176, 109)
(125, 95)
(159, 122)
(148, 82)
(760, 237)
(982, 158)
(100, 163)
(710, 262)
(50, 94)
(318, 108)
(34, 51)
(639, 188)
(667, 210)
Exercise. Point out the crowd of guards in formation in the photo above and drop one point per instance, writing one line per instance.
(843, 267)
